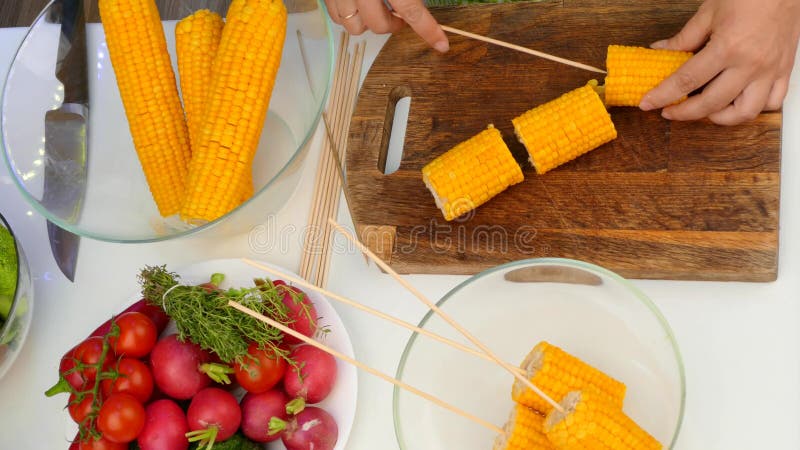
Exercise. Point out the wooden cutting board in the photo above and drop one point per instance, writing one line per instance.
(665, 200)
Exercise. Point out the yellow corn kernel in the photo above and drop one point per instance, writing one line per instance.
(471, 173)
(556, 372)
(590, 422)
(138, 51)
(634, 71)
(524, 430)
(196, 40)
(243, 76)
(565, 128)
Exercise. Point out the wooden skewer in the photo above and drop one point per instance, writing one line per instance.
(488, 425)
(367, 309)
(518, 48)
(522, 49)
(446, 317)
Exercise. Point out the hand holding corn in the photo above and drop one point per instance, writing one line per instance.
(747, 55)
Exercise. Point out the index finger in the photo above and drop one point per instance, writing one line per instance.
(692, 75)
(417, 16)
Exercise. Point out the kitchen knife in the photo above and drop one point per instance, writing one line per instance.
(66, 135)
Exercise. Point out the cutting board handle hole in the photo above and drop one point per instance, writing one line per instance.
(394, 132)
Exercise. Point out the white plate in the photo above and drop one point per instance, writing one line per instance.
(341, 402)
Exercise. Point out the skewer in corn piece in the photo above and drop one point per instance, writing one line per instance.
(138, 51)
(563, 129)
(590, 422)
(524, 430)
(556, 372)
(243, 75)
(634, 71)
(471, 173)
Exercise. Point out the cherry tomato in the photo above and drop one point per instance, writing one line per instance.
(101, 444)
(137, 335)
(78, 410)
(121, 418)
(68, 371)
(261, 370)
(89, 352)
(134, 378)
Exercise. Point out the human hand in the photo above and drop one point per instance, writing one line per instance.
(357, 16)
(745, 65)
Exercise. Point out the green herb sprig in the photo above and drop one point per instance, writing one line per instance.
(203, 316)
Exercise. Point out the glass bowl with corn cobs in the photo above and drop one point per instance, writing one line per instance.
(124, 122)
(16, 297)
(588, 339)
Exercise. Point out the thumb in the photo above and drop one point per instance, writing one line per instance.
(693, 35)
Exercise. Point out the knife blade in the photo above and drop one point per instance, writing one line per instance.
(66, 135)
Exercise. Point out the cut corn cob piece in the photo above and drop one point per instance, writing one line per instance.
(471, 173)
(138, 51)
(524, 430)
(563, 129)
(243, 76)
(556, 373)
(196, 41)
(590, 422)
(634, 71)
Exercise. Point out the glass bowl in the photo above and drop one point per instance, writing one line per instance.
(586, 310)
(114, 201)
(15, 312)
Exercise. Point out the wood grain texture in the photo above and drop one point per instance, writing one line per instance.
(666, 200)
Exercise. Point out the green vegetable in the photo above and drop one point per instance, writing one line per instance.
(236, 442)
(204, 317)
(8, 271)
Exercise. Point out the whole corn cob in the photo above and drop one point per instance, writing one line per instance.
(138, 51)
(633, 71)
(196, 41)
(563, 129)
(243, 76)
(471, 173)
(590, 422)
(524, 430)
(556, 372)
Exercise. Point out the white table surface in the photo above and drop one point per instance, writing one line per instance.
(740, 341)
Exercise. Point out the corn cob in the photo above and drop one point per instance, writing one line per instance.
(590, 422)
(196, 40)
(556, 372)
(138, 51)
(563, 129)
(524, 430)
(243, 76)
(471, 173)
(633, 71)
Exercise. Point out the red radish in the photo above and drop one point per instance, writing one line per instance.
(156, 314)
(213, 416)
(165, 427)
(258, 409)
(213, 284)
(178, 367)
(302, 314)
(311, 429)
(316, 377)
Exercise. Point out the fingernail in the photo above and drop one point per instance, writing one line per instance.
(646, 105)
(442, 46)
(666, 114)
(659, 44)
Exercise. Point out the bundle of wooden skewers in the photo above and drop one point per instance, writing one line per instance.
(588, 413)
